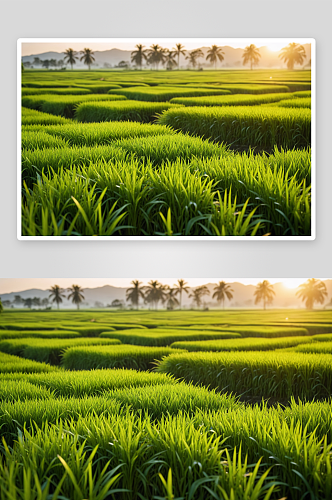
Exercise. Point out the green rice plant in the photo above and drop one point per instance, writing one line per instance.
(293, 441)
(255, 374)
(88, 218)
(254, 88)
(64, 105)
(249, 344)
(95, 383)
(12, 364)
(46, 334)
(243, 126)
(33, 117)
(48, 350)
(163, 93)
(59, 91)
(20, 390)
(124, 356)
(93, 134)
(326, 337)
(322, 347)
(17, 415)
(38, 140)
(165, 337)
(295, 103)
(170, 147)
(89, 472)
(193, 191)
(230, 219)
(169, 399)
(278, 184)
(232, 100)
(35, 161)
(272, 332)
(120, 111)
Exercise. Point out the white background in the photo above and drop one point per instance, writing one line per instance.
(171, 18)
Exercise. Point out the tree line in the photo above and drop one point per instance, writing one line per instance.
(156, 55)
(311, 292)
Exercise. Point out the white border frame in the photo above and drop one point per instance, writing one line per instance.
(223, 41)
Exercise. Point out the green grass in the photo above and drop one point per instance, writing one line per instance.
(136, 111)
(296, 103)
(124, 356)
(21, 390)
(242, 126)
(46, 334)
(48, 159)
(78, 384)
(323, 347)
(48, 350)
(194, 452)
(59, 91)
(162, 94)
(163, 337)
(236, 100)
(93, 134)
(32, 140)
(250, 344)
(63, 105)
(167, 148)
(33, 117)
(14, 364)
(255, 374)
(199, 195)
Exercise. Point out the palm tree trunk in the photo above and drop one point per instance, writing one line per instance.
(180, 299)
(178, 60)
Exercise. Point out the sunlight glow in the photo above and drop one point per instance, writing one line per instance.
(293, 282)
(275, 47)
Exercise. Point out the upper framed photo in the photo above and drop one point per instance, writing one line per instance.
(152, 138)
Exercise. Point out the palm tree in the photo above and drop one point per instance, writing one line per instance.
(179, 49)
(76, 295)
(312, 291)
(70, 57)
(193, 56)
(1, 307)
(215, 53)
(139, 55)
(264, 292)
(169, 59)
(222, 291)
(57, 294)
(156, 55)
(155, 292)
(198, 293)
(134, 293)
(171, 299)
(87, 57)
(293, 54)
(251, 53)
(180, 287)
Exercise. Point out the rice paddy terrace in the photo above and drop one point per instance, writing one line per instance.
(158, 404)
(166, 153)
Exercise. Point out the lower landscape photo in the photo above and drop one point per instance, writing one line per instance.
(182, 138)
(174, 389)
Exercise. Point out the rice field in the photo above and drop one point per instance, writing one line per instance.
(122, 408)
(150, 154)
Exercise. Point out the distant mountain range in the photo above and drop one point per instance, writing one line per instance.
(232, 58)
(243, 296)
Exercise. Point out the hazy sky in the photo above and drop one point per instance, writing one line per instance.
(60, 45)
(18, 285)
